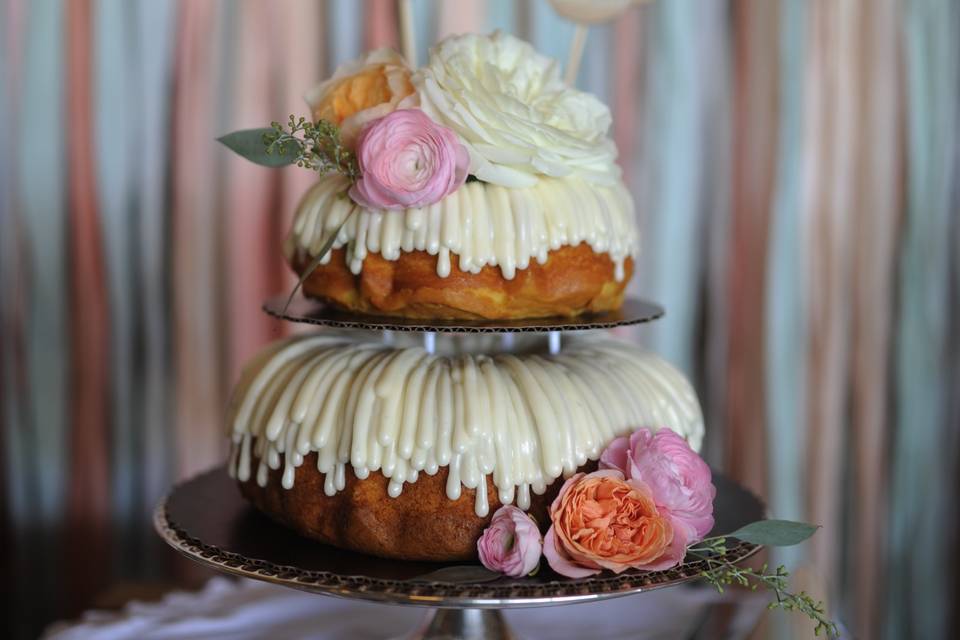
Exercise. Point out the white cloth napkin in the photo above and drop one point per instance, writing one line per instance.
(247, 609)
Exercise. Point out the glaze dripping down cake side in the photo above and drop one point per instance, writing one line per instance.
(561, 247)
(372, 447)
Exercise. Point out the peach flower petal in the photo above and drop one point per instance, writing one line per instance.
(602, 520)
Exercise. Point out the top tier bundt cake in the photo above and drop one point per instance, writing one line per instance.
(487, 188)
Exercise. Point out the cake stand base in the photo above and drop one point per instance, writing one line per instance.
(463, 624)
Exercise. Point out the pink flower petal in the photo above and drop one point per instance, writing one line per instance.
(407, 160)
(511, 544)
(615, 455)
(560, 562)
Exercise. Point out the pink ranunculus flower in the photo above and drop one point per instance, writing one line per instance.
(511, 544)
(680, 480)
(407, 160)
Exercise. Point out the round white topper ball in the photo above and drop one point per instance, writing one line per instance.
(591, 11)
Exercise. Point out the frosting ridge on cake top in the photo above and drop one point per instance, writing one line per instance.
(524, 418)
(481, 224)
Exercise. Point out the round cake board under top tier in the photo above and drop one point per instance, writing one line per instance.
(304, 310)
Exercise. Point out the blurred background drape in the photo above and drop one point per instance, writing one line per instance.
(796, 165)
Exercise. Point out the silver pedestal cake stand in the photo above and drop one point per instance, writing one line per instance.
(207, 520)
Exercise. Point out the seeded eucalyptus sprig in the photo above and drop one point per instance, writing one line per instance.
(721, 572)
(312, 145)
(318, 147)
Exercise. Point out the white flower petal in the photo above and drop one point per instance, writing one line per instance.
(514, 114)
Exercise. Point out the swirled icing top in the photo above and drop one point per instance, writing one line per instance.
(524, 417)
(482, 224)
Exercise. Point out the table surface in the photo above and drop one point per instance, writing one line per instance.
(251, 610)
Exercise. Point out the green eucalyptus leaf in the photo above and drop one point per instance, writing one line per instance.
(249, 144)
(465, 574)
(774, 533)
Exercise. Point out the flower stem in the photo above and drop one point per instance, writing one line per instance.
(324, 250)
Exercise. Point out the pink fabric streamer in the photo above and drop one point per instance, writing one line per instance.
(876, 220)
(463, 16)
(250, 220)
(198, 326)
(831, 119)
(303, 60)
(628, 67)
(88, 493)
(380, 26)
(755, 135)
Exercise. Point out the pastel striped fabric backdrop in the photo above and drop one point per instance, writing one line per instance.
(797, 172)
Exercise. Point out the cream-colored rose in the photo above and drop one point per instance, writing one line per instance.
(362, 91)
(514, 114)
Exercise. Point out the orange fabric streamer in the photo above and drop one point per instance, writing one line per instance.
(88, 494)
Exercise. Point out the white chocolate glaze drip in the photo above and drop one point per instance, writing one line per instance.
(483, 224)
(525, 418)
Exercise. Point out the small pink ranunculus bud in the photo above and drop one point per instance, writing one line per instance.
(511, 544)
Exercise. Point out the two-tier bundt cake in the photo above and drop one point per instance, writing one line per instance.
(478, 187)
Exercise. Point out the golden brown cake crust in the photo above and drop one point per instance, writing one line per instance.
(572, 281)
(420, 524)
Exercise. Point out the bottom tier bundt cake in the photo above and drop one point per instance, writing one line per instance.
(396, 452)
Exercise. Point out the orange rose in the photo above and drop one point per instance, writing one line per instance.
(362, 91)
(602, 521)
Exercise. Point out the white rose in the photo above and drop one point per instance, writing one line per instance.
(513, 113)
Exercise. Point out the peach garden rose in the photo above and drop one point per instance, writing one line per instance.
(362, 91)
(603, 521)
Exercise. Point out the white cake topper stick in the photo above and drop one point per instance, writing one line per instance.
(408, 42)
(576, 53)
(585, 13)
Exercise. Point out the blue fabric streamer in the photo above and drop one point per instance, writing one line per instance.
(917, 601)
(787, 331)
(42, 435)
(502, 14)
(595, 69)
(672, 260)
(155, 22)
(10, 283)
(345, 29)
(41, 189)
(550, 34)
(116, 148)
(425, 14)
